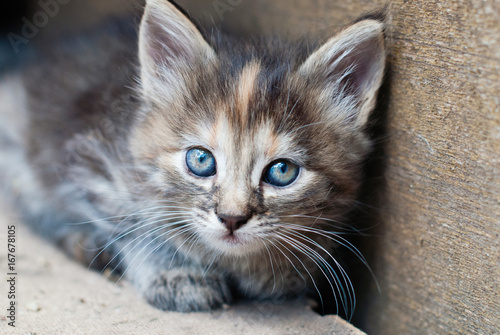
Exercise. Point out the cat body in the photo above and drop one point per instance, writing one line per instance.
(199, 168)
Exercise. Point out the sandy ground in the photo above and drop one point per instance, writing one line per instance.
(55, 295)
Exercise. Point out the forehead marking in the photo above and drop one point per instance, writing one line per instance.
(246, 88)
(272, 144)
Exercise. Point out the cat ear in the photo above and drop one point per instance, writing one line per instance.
(349, 68)
(169, 43)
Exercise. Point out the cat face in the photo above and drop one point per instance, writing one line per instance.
(249, 144)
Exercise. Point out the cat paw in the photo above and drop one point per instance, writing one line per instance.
(182, 292)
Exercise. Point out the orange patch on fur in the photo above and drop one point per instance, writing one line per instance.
(273, 147)
(245, 88)
(216, 129)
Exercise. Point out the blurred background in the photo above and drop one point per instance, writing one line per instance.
(25, 22)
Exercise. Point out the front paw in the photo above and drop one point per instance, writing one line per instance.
(180, 291)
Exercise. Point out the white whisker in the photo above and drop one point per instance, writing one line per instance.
(142, 225)
(182, 230)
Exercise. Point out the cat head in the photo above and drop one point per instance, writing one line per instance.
(249, 141)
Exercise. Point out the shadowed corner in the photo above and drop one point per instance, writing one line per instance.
(367, 222)
(27, 25)
(370, 245)
(369, 215)
(11, 14)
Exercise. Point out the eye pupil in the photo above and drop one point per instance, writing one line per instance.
(201, 162)
(283, 167)
(281, 173)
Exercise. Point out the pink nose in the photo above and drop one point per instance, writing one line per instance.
(233, 223)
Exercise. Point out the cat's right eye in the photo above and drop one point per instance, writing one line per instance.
(201, 162)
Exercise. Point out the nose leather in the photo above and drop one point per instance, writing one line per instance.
(233, 223)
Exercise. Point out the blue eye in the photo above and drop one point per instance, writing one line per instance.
(281, 173)
(201, 162)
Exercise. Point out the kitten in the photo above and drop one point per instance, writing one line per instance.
(206, 169)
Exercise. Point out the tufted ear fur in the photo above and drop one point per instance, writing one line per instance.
(350, 67)
(169, 44)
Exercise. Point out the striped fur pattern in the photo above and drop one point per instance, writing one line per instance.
(102, 170)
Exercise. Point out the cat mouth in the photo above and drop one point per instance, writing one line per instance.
(232, 239)
(235, 244)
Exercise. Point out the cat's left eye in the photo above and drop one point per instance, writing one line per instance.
(281, 173)
(201, 162)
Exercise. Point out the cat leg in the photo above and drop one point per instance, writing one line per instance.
(181, 288)
(186, 291)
